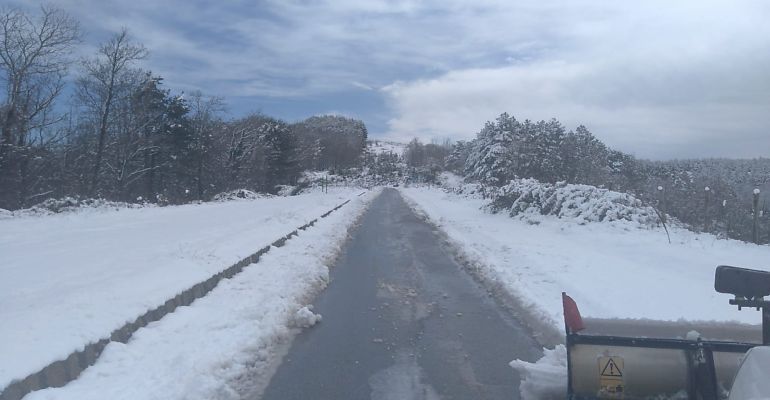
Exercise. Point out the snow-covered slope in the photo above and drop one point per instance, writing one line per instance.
(70, 279)
(615, 270)
(379, 147)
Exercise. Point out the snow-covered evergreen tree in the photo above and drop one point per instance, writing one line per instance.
(491, 159)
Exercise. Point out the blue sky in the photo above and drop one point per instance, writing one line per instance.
(658, 79)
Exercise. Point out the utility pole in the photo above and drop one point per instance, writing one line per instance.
(706, 210)
(662, 203)
(755, 225)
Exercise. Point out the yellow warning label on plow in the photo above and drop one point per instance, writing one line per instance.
(611, 377)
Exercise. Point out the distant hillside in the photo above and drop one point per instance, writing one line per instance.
(385, 147)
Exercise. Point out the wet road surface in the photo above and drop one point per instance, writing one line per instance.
(402, 320)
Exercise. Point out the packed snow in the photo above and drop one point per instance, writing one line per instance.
(545, 379)
(217, 347)
(70, 279)
(305, 317)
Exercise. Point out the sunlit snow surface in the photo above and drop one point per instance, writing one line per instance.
(70, 279)
(226, 342)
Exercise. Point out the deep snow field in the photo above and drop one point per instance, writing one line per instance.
(72, 278)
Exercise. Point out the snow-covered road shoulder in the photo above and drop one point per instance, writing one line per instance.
(207, 350)
(70, 280)
(612, 270)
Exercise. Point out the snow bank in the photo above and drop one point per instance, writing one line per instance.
(227, 340)
(72, 278)
(615, 270)
(545, 379)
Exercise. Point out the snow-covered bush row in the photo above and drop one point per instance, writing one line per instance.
(240, 194)
(529, 198)
(66, 205)
(75, 204)
(580, 203)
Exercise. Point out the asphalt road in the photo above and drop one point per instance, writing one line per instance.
(402, 320)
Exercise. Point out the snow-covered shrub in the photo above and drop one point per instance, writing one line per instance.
(456, 184)
(239, 194)
(471, 190)
(72, 204)
(286, 190)
(5, 213)
(581, 203)
(450, 180)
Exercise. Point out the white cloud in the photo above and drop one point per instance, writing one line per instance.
(656, 81)
(361, 85)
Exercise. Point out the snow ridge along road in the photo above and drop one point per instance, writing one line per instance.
(66, 369)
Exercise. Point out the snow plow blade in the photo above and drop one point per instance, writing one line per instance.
(643, 359)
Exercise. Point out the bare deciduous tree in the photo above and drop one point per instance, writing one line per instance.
(204, 120)
(34, 57)
(104, 78)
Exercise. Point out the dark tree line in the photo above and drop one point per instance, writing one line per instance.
(425, 161)
(126, 137)
(331, 142)
(708, 195)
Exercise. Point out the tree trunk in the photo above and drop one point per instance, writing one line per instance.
(103, 122)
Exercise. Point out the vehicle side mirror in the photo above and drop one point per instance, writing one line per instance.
(742, 282)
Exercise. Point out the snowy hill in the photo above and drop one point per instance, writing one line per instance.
(380, 147)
